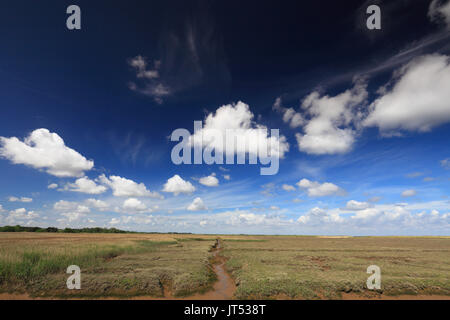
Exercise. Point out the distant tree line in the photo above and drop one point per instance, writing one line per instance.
(71, 230)
(66, 230)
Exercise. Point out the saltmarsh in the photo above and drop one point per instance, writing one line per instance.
(111, 265)
(264, 267)
(325, 267)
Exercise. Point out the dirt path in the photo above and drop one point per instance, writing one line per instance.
(223, 288)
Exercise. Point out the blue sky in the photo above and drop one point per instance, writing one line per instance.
(363, 116)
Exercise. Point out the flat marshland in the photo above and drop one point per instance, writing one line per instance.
(185, 265)
(111, 264)
(335, 267)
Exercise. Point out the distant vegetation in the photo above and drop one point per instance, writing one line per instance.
(19, 228)
(66, 230)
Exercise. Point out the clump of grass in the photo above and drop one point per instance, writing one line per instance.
(199, 281)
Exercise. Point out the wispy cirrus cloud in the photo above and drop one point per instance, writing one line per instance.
(20, 199)
(152, 84)
(439, 12)
(445, 163)
(190, 55)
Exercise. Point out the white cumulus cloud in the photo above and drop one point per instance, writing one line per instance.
(177, 185)
(197, 205)
(209, 181)
(86, 185)
(331, 126)
(114, 221)
(238, 120)
(47, 151)
(123, 187)
(288, 187)
(21, 214)
(97, 204)
(72, 216)
(317, 216)
(418, 100)
(290, 116)
(316, 189)
(409, 193)
(134, 205)
(63, 205)
(356, 205)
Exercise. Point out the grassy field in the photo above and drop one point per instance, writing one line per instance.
(160, 265)
(321, 267)
(111, 265)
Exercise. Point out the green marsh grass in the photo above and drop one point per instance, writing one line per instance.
(27, 264)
